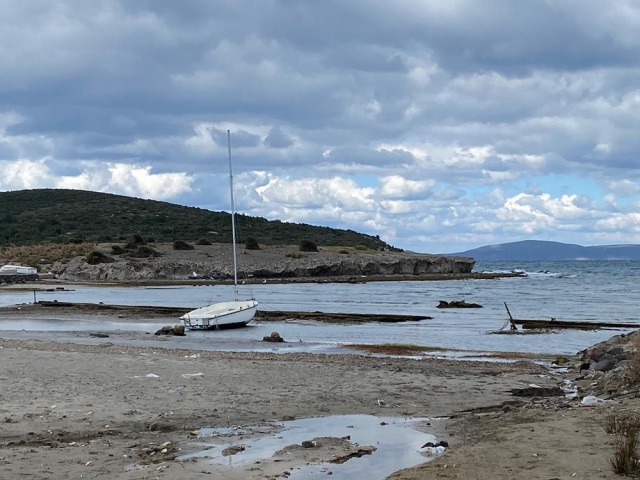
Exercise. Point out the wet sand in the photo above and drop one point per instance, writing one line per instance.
(70, 410)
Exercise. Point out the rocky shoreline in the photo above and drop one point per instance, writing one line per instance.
(279, 263)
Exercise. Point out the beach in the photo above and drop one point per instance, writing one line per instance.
(106, 410)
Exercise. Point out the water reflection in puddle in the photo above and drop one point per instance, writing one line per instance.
(397, 445)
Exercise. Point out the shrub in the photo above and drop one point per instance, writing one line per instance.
(619, 422)
(308, 246)
(344, 251)
(117, 250)
(137, 239)
(251, 244)
(626, 427)
(95, 258)
(180, 245)
(143, 252)
(294, 255)
(203, 241)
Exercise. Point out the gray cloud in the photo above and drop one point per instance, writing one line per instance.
(470, 95)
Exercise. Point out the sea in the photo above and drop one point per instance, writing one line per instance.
(565, 290)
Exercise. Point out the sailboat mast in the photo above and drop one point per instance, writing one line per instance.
(233, 221)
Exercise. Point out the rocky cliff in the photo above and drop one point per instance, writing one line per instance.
(216, 262)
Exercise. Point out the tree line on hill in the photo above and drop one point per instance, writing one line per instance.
(29, 217)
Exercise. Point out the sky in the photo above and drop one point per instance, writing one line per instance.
(440, 126)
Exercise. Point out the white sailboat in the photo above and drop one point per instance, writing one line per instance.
(232, 314)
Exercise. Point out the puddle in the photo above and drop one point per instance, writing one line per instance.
(396, 441)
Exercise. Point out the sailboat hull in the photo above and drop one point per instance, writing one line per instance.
(221, 315)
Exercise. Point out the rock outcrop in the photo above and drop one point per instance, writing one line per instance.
(457, 304)
(215, 262)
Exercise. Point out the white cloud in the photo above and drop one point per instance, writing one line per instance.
(24, 174)
(623, 188)
(396, 186)
(125, 179)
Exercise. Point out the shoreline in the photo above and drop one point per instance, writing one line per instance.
(47, 282)
(92, 410)
(99, 410)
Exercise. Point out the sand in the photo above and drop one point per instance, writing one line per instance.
(69, 410)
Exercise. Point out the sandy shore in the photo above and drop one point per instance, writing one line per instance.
(69, 410)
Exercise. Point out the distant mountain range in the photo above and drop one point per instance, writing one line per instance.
(543, 250)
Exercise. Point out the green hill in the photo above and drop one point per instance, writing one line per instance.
(29, 217)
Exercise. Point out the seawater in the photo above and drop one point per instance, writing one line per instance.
(572, 290)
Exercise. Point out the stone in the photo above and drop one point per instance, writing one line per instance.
(274, 337)
(606, 363)
(166, 330)
(232, 450)
(538, 392)
(178, 329)
(457, 304)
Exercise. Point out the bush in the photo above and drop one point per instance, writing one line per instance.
(117, 250)
(143, 252)
(344, 252)
(203, 241)
(95, 258)
(251, 244)
(180, 245)
(137, 239)
(308, 246)
(626, 428)
(294, 255)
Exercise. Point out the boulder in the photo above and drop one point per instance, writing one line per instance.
(606, 363)
(179, 329)
(274, 337)
(171, 330)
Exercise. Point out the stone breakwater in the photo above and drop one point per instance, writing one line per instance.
(216, 262)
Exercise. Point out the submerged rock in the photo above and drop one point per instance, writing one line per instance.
(457, 304)
(274, 337)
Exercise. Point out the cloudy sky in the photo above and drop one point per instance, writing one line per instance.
(439, 125)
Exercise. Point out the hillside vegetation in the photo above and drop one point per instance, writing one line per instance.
(30, 217)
